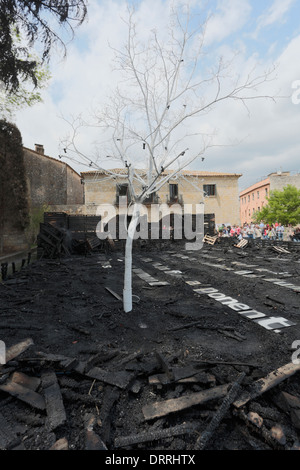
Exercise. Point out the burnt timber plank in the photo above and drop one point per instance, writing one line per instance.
(110, 397)
(67, 363)
(24, 394)
(61, 444)
(163, 408)
(28, 382)
(214, 423)
(183, 375)
(181, 429)
(120, 379)
(263, 385)
(56, 415)
(164, 365)
(18, 349)
(92, 440)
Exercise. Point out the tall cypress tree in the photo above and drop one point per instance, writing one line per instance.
(14, 205)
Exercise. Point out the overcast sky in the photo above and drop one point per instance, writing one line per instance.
(266, 32)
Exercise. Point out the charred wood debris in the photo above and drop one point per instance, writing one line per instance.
(52, 390)
(62, 235)
(53, 401)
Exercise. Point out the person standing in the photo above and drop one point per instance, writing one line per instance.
(273, 233)
(262, 227)
(280, 231)
(257, 232)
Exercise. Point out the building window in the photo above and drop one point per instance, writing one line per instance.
(266, 192)
(210, 189)
(249, 198)
(151, 198)
(123, 191)
(252, 196)
(257, 194)
(173, 188)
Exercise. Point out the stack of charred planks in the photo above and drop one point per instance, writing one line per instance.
(62, 234)
(55, 382)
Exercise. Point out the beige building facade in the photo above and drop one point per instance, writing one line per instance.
(217, 192)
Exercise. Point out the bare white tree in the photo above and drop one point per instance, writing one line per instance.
(166, 91)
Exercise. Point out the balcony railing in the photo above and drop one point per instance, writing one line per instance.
(175, 199)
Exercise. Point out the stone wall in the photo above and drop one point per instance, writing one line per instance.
(48, 182)
(70, 209)
(51, 181)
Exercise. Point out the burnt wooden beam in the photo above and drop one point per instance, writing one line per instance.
(263, 385)
(260, 430)
(56, 414)
(61, 444)
(110, 397)
(23, 379)
(165, 366)
(92, 440)
(204, 438)
(18, 349)
(65, 362)
(163, 408)
(120, 379)
(24, 394)
(154, 435)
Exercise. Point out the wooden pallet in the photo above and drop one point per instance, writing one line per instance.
(242, 244)
(93, 243)
(210, 240)
(280, 249)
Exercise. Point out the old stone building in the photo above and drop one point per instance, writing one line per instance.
(51, 181)
(254, 198)
(218, 192)
(47, 182)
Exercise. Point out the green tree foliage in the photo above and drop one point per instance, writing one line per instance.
(283, 207)
(36, 21)
(27, 94)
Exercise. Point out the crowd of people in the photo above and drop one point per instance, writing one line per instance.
(263, 231)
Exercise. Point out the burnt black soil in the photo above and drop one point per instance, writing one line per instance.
(64, 306)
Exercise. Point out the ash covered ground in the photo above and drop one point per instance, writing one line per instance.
(156, 378)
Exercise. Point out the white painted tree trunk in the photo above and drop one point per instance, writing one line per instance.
(127, 291)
